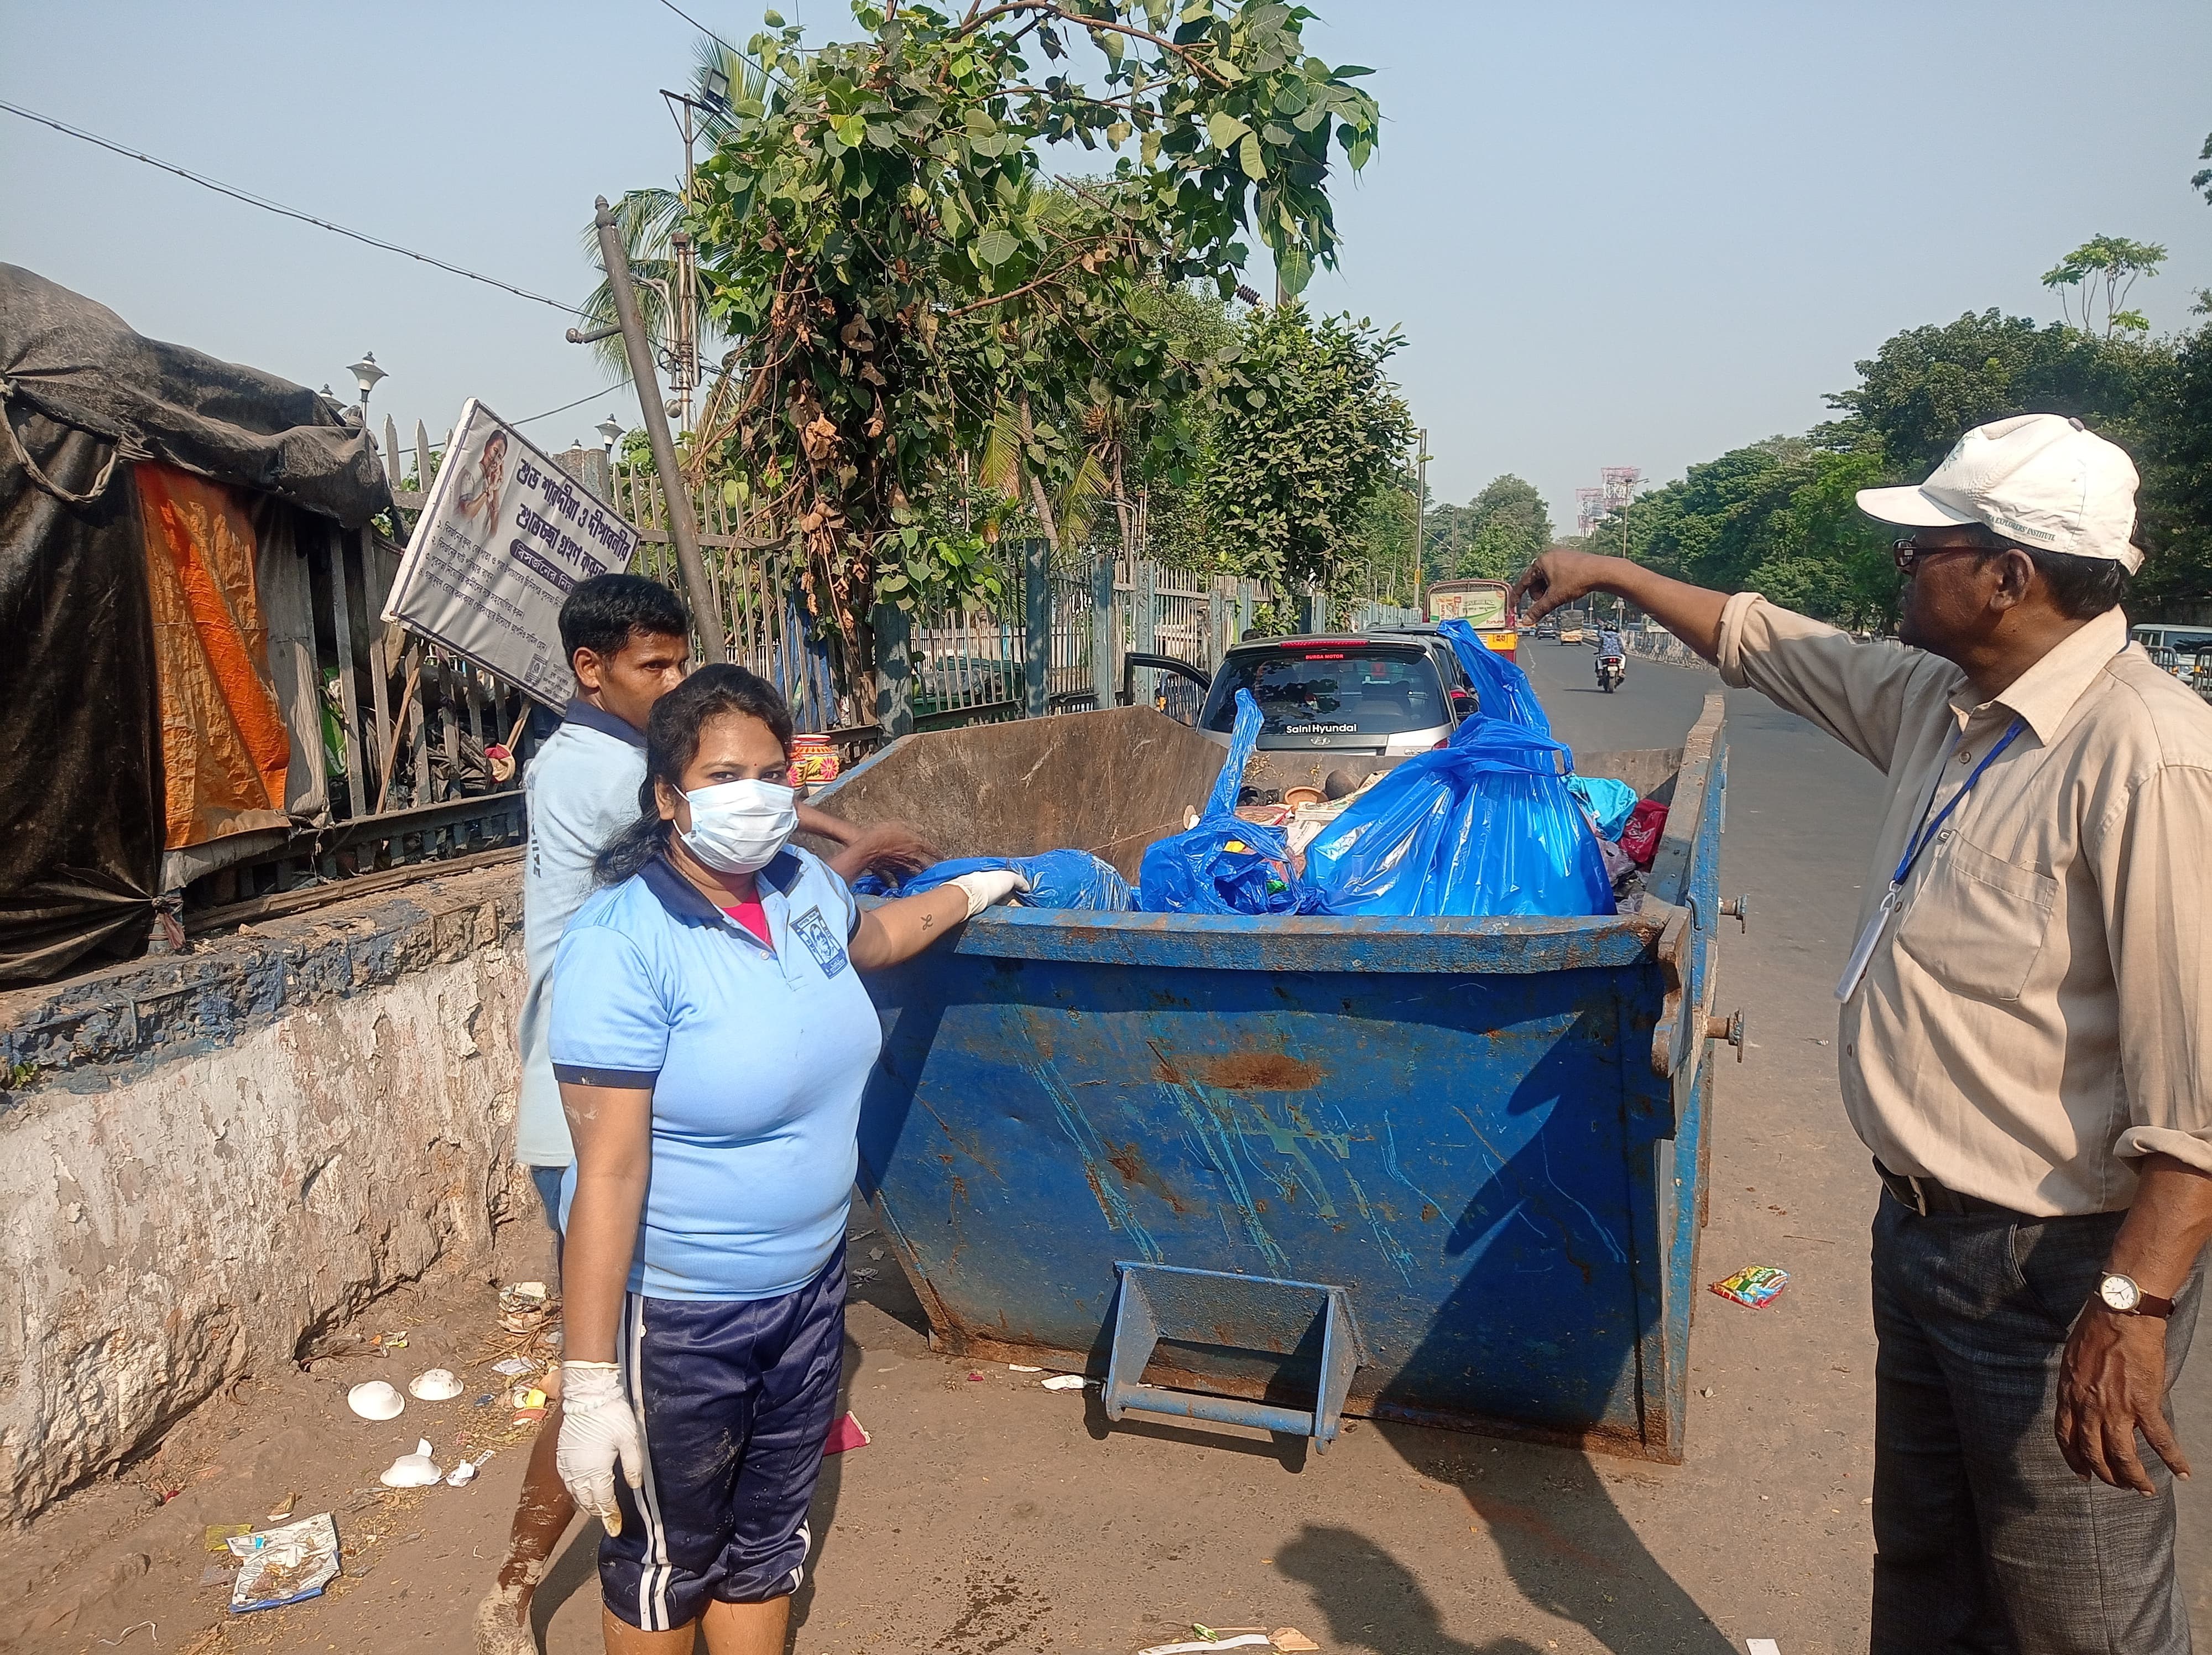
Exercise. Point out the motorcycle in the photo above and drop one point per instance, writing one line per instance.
(1611, 671)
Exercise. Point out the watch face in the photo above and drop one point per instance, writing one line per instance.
(2120, 1291)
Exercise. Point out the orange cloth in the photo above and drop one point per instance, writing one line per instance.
(224, 745)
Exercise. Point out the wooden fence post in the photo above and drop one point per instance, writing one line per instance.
(357, 800)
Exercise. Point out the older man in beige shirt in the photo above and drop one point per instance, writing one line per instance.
(2026, 1035)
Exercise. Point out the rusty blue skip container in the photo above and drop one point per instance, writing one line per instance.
(1444, 1171)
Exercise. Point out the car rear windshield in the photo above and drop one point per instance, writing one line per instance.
(1332, 689)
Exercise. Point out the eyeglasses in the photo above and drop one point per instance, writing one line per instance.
(1908, 552)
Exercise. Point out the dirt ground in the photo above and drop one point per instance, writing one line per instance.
(990, 1515)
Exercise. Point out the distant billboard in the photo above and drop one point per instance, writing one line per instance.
(504, 536)
(1479, 604)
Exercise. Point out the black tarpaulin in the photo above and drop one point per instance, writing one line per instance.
(80, 747)
(80, 363)
(85, 398)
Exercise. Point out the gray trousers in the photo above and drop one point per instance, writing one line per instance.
(1983, 1540)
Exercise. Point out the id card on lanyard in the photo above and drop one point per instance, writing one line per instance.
(1855, 969)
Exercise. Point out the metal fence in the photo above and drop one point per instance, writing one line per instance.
(1655, 645)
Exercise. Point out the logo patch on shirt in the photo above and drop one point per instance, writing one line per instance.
(821, 941)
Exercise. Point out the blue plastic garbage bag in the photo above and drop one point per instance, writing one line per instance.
(1484, 826)
(1607, 800)
(1220, 865)
(1502, 687)
(1058, 878)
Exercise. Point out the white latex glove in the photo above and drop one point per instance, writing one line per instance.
(597, 1428)
(982, 889)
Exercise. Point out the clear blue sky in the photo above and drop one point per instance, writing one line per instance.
(1612, 234)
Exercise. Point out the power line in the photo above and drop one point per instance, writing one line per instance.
(623, 384)
(746, 56)
(593, 396)
(278, 207)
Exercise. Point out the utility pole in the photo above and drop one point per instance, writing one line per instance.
(684, 294)
(1420, 511)
(681, 525)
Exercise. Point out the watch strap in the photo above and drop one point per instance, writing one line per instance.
(2147, 1304)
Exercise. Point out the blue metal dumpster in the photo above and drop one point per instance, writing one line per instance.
(1482, 1141)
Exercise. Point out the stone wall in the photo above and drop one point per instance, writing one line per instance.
(210, 1160)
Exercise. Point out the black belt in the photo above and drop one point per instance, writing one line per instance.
(1927, 1196)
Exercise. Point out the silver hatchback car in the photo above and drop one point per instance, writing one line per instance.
(1337, 702)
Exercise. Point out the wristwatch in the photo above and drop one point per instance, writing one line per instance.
(2119, 1294)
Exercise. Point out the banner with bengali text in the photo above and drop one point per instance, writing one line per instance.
(503, 536)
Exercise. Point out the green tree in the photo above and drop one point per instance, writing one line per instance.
(2176, 501)
(1928, 385)
(2202, 181)
(1509, 524)
(878, 234)
(1308, 428)
(2116, 263)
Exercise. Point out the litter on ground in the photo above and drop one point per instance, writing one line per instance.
(373, 1399)
(435, 1384)
(282, 1565)
(846, 1433)
(415, 1471)
(1755, 1285)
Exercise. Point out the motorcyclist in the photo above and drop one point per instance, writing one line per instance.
(1610, 648)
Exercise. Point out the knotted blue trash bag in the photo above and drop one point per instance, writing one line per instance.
(1608, 802)
(1058, 878)
(1220, 865)
(1502, 688)
(1483, 825)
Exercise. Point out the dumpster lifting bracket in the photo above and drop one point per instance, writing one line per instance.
(1256, 1312)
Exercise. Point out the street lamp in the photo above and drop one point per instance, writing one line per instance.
(366, 374)
(611, 432)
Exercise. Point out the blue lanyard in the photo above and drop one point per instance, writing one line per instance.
(1926, 836)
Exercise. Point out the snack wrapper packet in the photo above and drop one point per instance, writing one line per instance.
(1755, 1285)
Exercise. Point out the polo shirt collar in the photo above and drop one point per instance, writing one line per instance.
(579, 711)
(2044, 694)
(685, 901)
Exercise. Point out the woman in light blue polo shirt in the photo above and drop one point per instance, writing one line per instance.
(711, 1038)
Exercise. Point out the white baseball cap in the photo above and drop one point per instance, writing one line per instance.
(2043, 480)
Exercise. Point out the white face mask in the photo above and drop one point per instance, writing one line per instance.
(737, 827)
